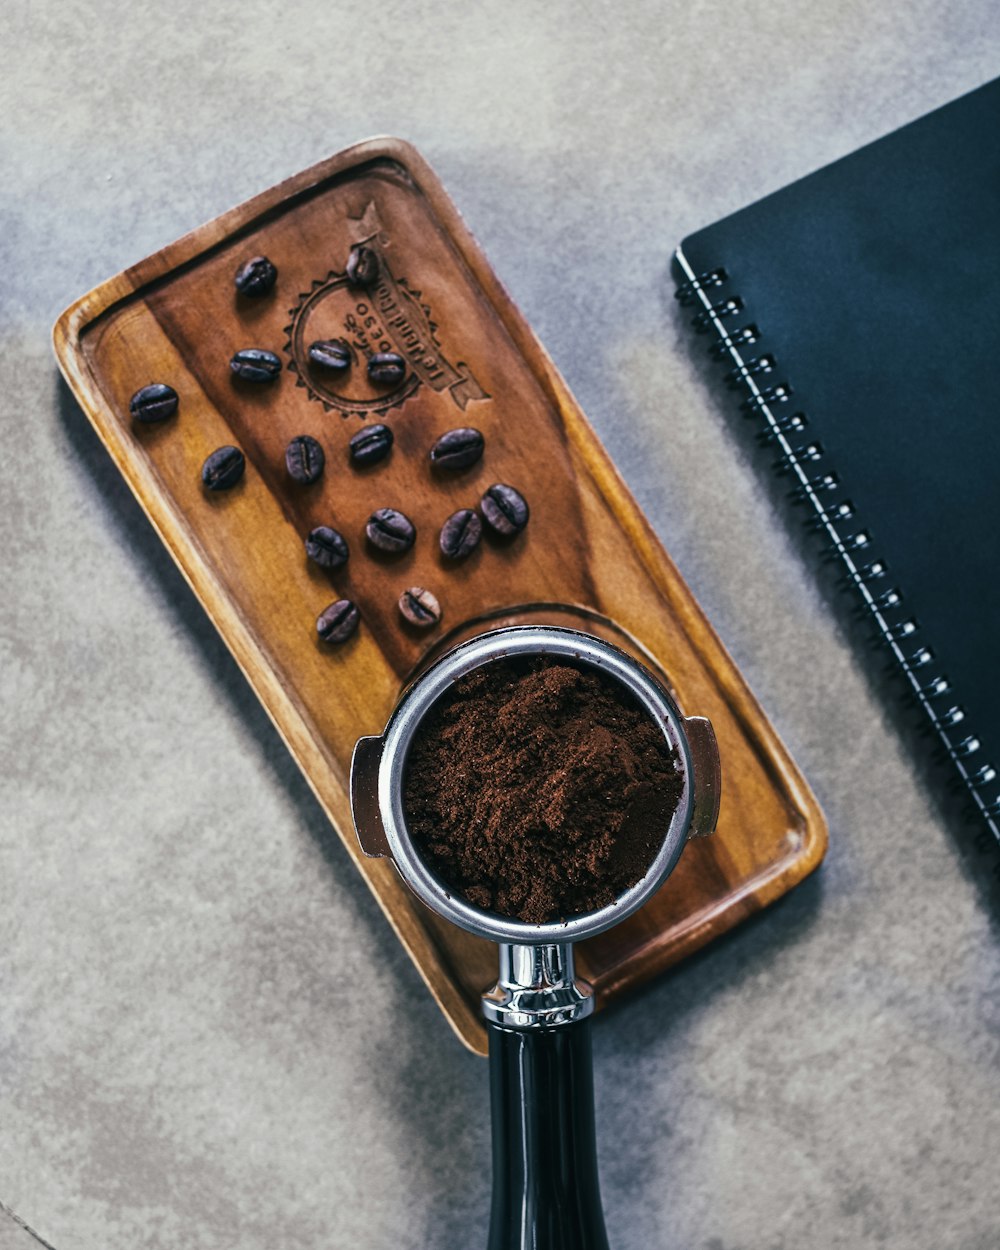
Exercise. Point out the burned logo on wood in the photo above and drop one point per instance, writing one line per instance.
(379, 318)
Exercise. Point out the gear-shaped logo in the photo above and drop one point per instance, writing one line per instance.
(385, 316)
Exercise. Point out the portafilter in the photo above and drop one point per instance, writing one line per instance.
(546, 1194)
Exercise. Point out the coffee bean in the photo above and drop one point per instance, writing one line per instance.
(327, 547)
(253, 364)
(154, 402)
(504, 509)
(460, 534)
(304, 459)
(458, 449)
(223, 468)
(337, 622)
(372, 444)
(386, 368)
(334, 354)
(420, 607)
(362, 265)
(390, 531)
(256, 277)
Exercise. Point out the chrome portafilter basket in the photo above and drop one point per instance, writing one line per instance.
(545, 1183)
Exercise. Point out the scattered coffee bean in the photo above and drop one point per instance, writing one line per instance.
(390, 531)
(362, 265)
(337, 622)
(256, 277)
(372, 444)
(327, 547)
(386, 368)
(304, 459)
(504, 509)
(223, 468)
(332, 354)
(458, 449)
(155, 402)
(460, 534)
(420, 607)
(253, 364)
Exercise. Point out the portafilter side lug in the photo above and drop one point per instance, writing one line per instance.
(364, 797)
(707, 769)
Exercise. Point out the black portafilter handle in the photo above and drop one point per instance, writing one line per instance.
(546, 1193)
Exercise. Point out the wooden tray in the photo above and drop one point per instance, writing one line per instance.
(588, 556)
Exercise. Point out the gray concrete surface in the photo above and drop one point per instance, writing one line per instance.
(15, 1234)
(208, 1036)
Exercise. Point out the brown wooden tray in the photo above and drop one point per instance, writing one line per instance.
(587, 558)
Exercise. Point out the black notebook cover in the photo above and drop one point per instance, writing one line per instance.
(858, 313)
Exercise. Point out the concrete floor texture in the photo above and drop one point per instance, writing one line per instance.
(209, 1036)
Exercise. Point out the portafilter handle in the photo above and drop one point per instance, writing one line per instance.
(546, 1189)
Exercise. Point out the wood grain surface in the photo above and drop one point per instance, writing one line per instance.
(587, 558)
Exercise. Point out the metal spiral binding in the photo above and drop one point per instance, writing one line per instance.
(834, 519)
(759, 401)
(711, 315)
(891, 599)
(791, 425)
(814, 486)
(744, 336)
(842, 511)
(690, 292)
(792, 458)
(750, 369)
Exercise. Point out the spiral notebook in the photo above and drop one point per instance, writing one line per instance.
(857, 311)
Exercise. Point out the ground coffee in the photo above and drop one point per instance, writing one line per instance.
(538, 790)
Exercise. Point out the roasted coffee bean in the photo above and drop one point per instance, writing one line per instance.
(372, 444)
(334, 354)
(155, 402)
(386, 368)
(390, 531)
(256, 277)
(504, 509)
(458, 449)
(362, 265)
(327, 547)
(223, 468)
(304, 459)
(419, 607)
(460, 534)
(337, 622)
(253, 364)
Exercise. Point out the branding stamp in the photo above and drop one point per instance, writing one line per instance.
(386, 317)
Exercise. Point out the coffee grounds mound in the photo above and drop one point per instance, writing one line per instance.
(538, 790)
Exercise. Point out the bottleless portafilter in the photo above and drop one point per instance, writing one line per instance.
(545, 1185)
